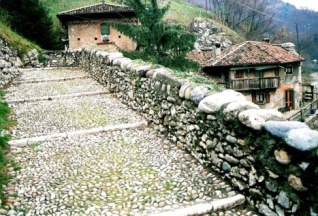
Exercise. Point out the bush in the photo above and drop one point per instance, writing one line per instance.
(4, 124)
(31, 19)
(173, 62)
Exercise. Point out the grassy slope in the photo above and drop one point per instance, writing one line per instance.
(180, 11)
(17, 42)
(4, 113)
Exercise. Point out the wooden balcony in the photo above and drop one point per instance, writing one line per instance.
(255, 84)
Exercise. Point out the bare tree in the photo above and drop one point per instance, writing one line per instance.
(253, 18)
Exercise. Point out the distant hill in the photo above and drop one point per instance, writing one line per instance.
(288, 15)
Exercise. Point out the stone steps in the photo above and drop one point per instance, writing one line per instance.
(51, 137)
(49, 98)
(206, 208)
(50, 80)
(115, 165)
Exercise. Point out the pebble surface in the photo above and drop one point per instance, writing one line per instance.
(129, 172)
(57, 116)
(26, 90)
(40, 74)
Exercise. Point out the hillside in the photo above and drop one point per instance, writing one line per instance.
(15, 40)
(180, 12)
(287, 15)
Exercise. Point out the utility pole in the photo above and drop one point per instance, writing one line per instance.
(298, 43)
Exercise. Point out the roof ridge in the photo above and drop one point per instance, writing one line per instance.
(92, 5)
(230, 53)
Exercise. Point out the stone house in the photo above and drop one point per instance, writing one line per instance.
(90, 25)
(267, 74)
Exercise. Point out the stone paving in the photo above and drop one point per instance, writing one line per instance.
(25, 90)
(128, 172)
(39, 74)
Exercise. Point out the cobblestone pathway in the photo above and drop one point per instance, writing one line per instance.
(124, 172)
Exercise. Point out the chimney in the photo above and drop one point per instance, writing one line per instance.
(290, 47)
(266, 40)
(217, 49)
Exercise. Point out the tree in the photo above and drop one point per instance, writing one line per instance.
(153, 35)
(30, 19)
(253, 18)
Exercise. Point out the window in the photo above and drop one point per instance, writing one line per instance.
(239, 74)
(105, 31)
(289, 70)
(261, 97)
(78, 39)
(95, 38)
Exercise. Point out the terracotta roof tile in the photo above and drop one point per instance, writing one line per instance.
(97, 8)
(248, 53)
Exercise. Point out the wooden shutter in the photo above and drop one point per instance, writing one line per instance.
(267, 97)
(289, 99)
(254, 97)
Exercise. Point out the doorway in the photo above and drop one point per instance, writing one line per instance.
(289, 99)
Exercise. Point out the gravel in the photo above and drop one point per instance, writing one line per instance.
(134, 171)
(57, 116)
(40, 74)
(128, 172)
(24, 91)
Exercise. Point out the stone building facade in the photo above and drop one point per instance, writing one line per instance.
(267, 74)
(91, 25)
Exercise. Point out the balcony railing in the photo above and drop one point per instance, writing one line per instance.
(255, 84)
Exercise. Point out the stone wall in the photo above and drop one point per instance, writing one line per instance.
(271, 161)
(209, 37)
(9, 63)
(64, 58)
(312, 122)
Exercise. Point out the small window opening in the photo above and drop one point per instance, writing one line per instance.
(95, 38)
(119, 36)
(78, 39)
(289, 70)
(105, 31)
(239, 74)
(261, 97)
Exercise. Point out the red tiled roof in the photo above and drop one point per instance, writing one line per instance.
(248, 53)
(97, 8)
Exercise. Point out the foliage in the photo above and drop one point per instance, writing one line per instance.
(18, 42)
(254, 19)
(173, 62)
(4, 114)
(30, 19)
(199, 78)
(4, 16)
(153, 35)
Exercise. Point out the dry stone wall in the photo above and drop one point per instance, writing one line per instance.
(271, 161)
(9, 63)
(64, 58)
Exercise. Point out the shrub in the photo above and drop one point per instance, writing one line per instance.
(4, 124)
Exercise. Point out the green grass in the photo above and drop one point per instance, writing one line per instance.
(180, 12)
(4, 124)
(18, 42)
(198, 78)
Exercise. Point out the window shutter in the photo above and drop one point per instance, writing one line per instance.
(267, 97)
(254, 98)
